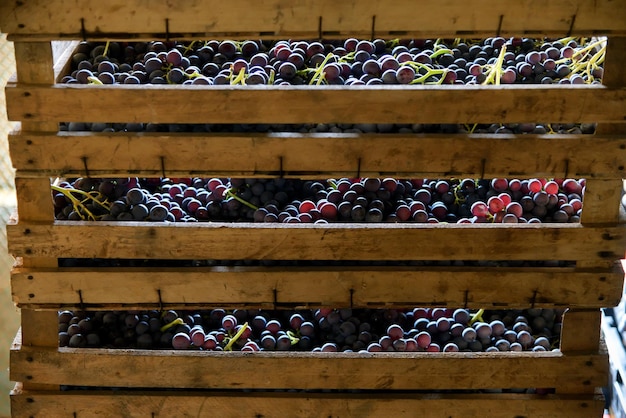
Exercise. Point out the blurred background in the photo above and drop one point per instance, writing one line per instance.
(8, 312)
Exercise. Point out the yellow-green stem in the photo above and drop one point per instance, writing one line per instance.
(232, 341)
(177, 321)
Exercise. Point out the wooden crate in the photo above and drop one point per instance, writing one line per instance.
(398, 384)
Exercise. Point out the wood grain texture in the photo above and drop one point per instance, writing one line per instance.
(34, 64)
(581, 331)
(602, 198)
(253, 405)
(312, 155)
(602, 201)
(309, 18)
(229, 241)
(188, 288)
(305, 104)
(259, 370)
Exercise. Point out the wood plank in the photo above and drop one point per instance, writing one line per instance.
(34, 200)
(308, 155)
(237, 370)
(306, 104)
(187, 288)
(62, 52)
(228, 241)
(602, 201)
(580, 333)
(614, 71)
(255, 404)
(34, 65)
(584, 335)
(309, 18)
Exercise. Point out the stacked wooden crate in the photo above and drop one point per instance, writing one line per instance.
(427, 384)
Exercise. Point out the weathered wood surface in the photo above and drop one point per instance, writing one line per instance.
(260, 370)
(34, 64)
(56, 19)
(306, 104)
(65, 154)
(281, 287)
(86, 404)
(230, 241)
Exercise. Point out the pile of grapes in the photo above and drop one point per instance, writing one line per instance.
(337, 128)
(333, 200)
(341, 62)
(325, 330)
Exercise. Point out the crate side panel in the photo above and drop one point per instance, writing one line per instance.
(251, 405)
(309, 18)
(406, 371)
(333, 155)
(146, 240)
(473, 288)
(304, 104)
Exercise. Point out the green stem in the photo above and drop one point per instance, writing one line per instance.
(78, 205)
(440, 51)
(319, 70)
(94, 80)
(229, 193)
(177, 321)
(478, 316)
(293, 337)
(232, 341)
(495, 72)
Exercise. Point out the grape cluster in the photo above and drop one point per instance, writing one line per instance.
(345, 62)
(342, 128)
(324, 329)
(331, 200)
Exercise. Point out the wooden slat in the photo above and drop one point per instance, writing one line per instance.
(62, 52)
(309, 155)
(306, 104)
(602, 198)
(602, 201)
(307, 370)
(309, 18)
(573, 339)
(317, 242)
(187, 288)
(581, 329)
(580, 333)
(34, 64)
(614, 71)
(252, 405)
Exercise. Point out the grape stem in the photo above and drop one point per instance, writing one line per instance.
(458, 199)
(232, 341)
(478, 316)
(272, 77)
(229, 193)
(440, 51)
(94, 80)
(240, 79)
(189, 47)
(78, 205)
(293, 337)
(177, 321)
(106, 48)
(495, 72)
(318, 75)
